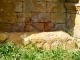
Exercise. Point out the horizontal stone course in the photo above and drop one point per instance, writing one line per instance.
(8, 17)
(34, 6)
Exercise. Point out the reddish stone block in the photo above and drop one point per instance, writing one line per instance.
(49, 26)
(38, 26)
(28, 26)
(31, 27)
(28, 19)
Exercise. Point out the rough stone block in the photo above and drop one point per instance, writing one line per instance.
(38, 6)
(7, 0)
(28, 27)
(33, 17)
(34, 27)
(51, 40)
(26, 6)
(53, 0)
(10, 7)
(71, 20)
(49, 26)
(7, 6)
(59, 27)
(71, 8)
(58, 0)
(72, 1)
(55, 7)
(5, 27)
(15, 38)
(58, 17)
(8, 17)
(18, 6)
(24, 17)
(3, 37)
(34, 6)
(40, 17)
(18, 27)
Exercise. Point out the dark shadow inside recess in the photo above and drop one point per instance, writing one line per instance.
(71, 14)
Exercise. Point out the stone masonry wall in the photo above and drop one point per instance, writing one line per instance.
(38, 15)
(32, 15)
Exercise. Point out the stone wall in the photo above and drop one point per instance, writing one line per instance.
(32, 15)
(39, 15)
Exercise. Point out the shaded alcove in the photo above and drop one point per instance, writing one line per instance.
(72, 10)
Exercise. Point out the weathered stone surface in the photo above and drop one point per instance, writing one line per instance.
(10, 6)
(5, 27)
(8, 17)
(18, 6)
(58, 17)
(43, 0)
(3, 37)
(56, 0)
(7, 0)
(38, 7)
(71, 20)
(34, 27)
(72, 1)
(27, 6)
(51, 40)
(33, 17)
(55, 7)
(15, 38)
(71, 8)
(77, 19)
(28, 27)
(76, 31)
(7, 6)
(59, 27)
(34, 7)
(40, 17)
(49, 26)
(24, 17)
(18, 27)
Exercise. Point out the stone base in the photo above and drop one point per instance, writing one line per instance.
(44, 40)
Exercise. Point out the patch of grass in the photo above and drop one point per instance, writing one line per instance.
(30, 52)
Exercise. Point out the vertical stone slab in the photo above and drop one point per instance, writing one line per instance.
(77, 26)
